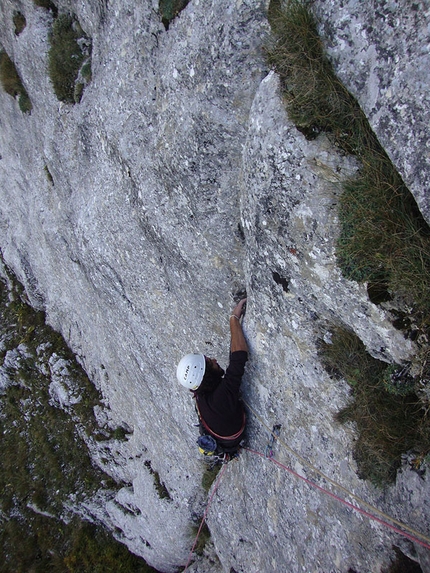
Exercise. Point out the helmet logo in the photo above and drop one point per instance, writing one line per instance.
(190, 370)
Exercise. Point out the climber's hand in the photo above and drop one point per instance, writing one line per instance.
(239, 309)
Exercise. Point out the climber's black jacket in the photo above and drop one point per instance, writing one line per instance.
(221, 412)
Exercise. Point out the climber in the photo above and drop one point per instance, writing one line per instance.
(216, 392)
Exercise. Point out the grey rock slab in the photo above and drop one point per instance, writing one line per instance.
(381, 52)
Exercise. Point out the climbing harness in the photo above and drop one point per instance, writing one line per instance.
(218, 449)
(213, 454)
(214, 434)
(401, 528)
(274, 435)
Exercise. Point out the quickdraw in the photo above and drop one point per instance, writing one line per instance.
(274, 435)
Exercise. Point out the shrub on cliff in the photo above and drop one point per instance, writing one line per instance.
(45, 468)
(384, 239)
(316, 100)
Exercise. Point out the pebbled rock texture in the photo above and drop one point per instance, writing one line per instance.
(177, 182)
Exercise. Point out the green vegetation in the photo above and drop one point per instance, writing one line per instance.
(163, 492)
(94, 551)
(44, 461)
(388, 414)
(48, 175)
(204, 537)
(19, 22)
(209, 476)
(12, 83)
(78, 92)
(169, 9)
(39, 544)
(384, 241)
(316, 100)
(86, 72)
(66, 58)
(48, 5)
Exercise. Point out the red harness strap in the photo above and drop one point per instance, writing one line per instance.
(215, 435)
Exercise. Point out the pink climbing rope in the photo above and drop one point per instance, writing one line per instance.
(312, 484)
(347, 503)
(215, 487)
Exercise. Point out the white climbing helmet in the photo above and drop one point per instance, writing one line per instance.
(190, 370)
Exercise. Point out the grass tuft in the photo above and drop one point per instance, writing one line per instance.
(203, 539)
(38, 544)
(169, 9)
(163, 492)
(384, 240)
(48, 5)
(66, 57)
(19, 22)
(316, 100)
(12, 83)
(209, 476)
(390, 418)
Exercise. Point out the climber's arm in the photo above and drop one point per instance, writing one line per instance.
(238, 341)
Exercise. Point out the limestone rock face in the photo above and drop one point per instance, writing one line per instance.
(381, 52)
(177, 182)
